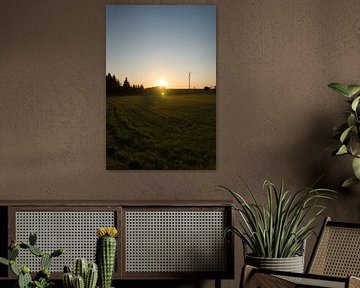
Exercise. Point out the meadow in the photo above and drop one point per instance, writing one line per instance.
(161, 132)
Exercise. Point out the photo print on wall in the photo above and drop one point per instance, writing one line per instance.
(160, 87)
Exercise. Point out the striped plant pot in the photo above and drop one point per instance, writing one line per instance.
(291, 264)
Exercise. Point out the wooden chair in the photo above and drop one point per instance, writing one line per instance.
(335, 262)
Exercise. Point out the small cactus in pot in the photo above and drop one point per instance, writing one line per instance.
(106, 254)
(85, 275)
(42, 278)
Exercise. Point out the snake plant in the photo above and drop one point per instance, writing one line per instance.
(279, 228)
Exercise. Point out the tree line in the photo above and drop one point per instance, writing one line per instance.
(115, 87)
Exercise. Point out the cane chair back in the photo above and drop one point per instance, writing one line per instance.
(335, 262)
(337, 252)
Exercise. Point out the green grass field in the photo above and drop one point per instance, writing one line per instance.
(153, 132)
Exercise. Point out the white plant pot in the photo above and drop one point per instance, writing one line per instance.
(291, 264)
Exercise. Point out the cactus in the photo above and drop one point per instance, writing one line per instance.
(45, 261)
(67, 269)
(68, 280)
(36, 251)
(42, 278)
(106, 254)
(13, 253)
(57, 252)
(24, 245)
(14, 268)
(91, 276)
(24, 280)
(4, 261)
(90, 272)
(80, 268)
(79, 282)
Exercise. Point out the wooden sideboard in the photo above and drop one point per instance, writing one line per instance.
(163, 240)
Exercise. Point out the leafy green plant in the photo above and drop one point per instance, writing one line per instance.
(43, 283)
(348, 132)
(42, 278)
(279, 229)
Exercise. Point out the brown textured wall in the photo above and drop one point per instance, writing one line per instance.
(275, 113)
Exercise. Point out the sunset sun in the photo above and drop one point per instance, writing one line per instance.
(162, 83)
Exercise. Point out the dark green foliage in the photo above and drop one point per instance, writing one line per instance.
(348, 133)
(44, 273)
(153, 132)
(57, 252)
(24, 246)
(114, 87)
(42, 283)
(105, 258)
(32, 239)
(126, 85)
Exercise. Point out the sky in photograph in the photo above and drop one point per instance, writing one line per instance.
(159, 44)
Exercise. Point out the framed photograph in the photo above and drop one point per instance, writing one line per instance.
(161, 87)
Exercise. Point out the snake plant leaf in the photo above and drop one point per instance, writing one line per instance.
(345, 134)
(340, 88)
(278, 228)
(349, 182)
(342, 150)
(355, 103)
(353, 89)
(356, 167)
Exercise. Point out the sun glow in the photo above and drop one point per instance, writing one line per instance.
(162, 83)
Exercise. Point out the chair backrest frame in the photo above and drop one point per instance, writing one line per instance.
(336, 251)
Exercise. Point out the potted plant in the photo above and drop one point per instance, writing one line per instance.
(84, 274)
(276, 233)
(348, 132)
(42, 278)
(106, 254)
